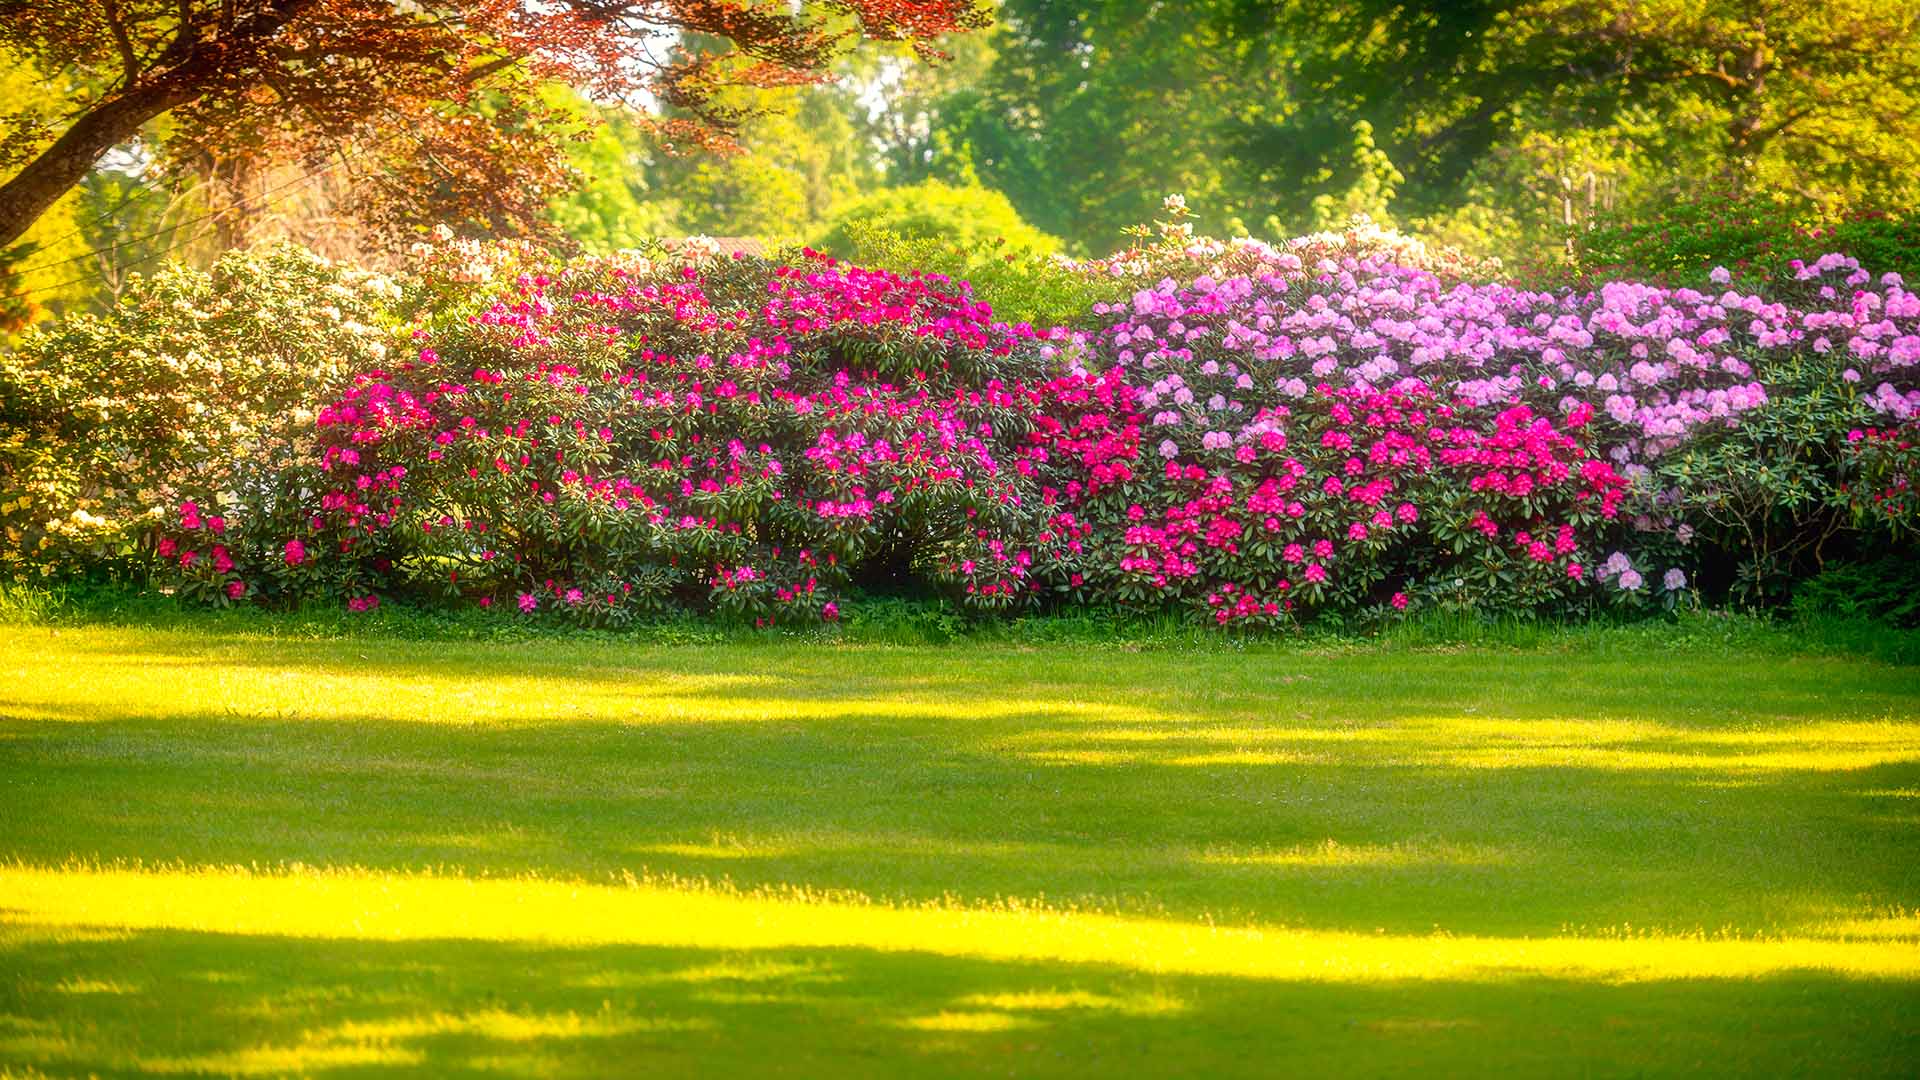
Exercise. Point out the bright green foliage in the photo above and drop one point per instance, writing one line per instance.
(912, 133)
(1371, 193)
(1020, 287)
(1780, 96)
(1496, 121)
(36, 274)
(1093, 111)
(800, 155)
(618, 203)
(971, 217)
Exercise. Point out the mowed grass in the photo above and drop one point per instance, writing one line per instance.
(226, 854)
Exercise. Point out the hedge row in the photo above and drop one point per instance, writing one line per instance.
(1260, 435)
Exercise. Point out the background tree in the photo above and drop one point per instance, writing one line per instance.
(1811, 100)
(799, 153)
(1496, 122)
(57, 235)
(1092, 111)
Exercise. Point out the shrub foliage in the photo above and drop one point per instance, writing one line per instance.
(1342, 427)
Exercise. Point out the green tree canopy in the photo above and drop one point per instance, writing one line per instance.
(1501, 116)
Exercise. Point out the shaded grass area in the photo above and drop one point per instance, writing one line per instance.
(1816, 628)
(234, 853)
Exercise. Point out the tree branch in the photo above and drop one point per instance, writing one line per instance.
(129, 64)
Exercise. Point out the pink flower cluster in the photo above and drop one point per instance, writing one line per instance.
(203, 564)
(1338, 498)
(1658, 363)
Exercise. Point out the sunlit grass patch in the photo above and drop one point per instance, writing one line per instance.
(93, 986)
(352, 905)
(968, 1021)
(1899, 926)
(1484, 743)
(1052, 1000)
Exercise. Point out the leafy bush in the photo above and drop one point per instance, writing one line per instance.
(606, 439)
(1350, 500)
(1738, 419)
(1270, 495)
(1885, 590)
(1881, 467)
(1054, 290)
(615, 437)
(200, 390)
(1038, 290)
(1754, 239)
(1169, 250)
(1775, 492)
(971, 217)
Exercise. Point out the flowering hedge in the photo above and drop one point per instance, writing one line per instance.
(1283, 432)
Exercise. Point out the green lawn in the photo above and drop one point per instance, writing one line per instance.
(222, 853)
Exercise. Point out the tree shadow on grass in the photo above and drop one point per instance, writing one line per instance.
(172, 1002)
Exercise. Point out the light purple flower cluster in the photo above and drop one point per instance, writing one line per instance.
(1619, 570)
(1657, 364)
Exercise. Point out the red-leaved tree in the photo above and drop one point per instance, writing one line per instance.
(440, 96)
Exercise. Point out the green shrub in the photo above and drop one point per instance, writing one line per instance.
(1770, 490)
(1037, 290)
(972, 217)
(1885, 590)
(198, 387)
(1310, 433)
(1754, 239)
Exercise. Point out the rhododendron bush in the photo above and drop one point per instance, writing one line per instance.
(1670, 387)
(617, 436)
(1289, 431)
(199, 388)
(1170, 250)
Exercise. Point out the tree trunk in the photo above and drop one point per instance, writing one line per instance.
(229, 184)
(38, 186)
(1747, 107)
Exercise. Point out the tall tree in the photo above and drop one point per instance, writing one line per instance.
(799, 154)
(446, 91)
(1815, 98)
(1094, 110)
(1280, 113)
